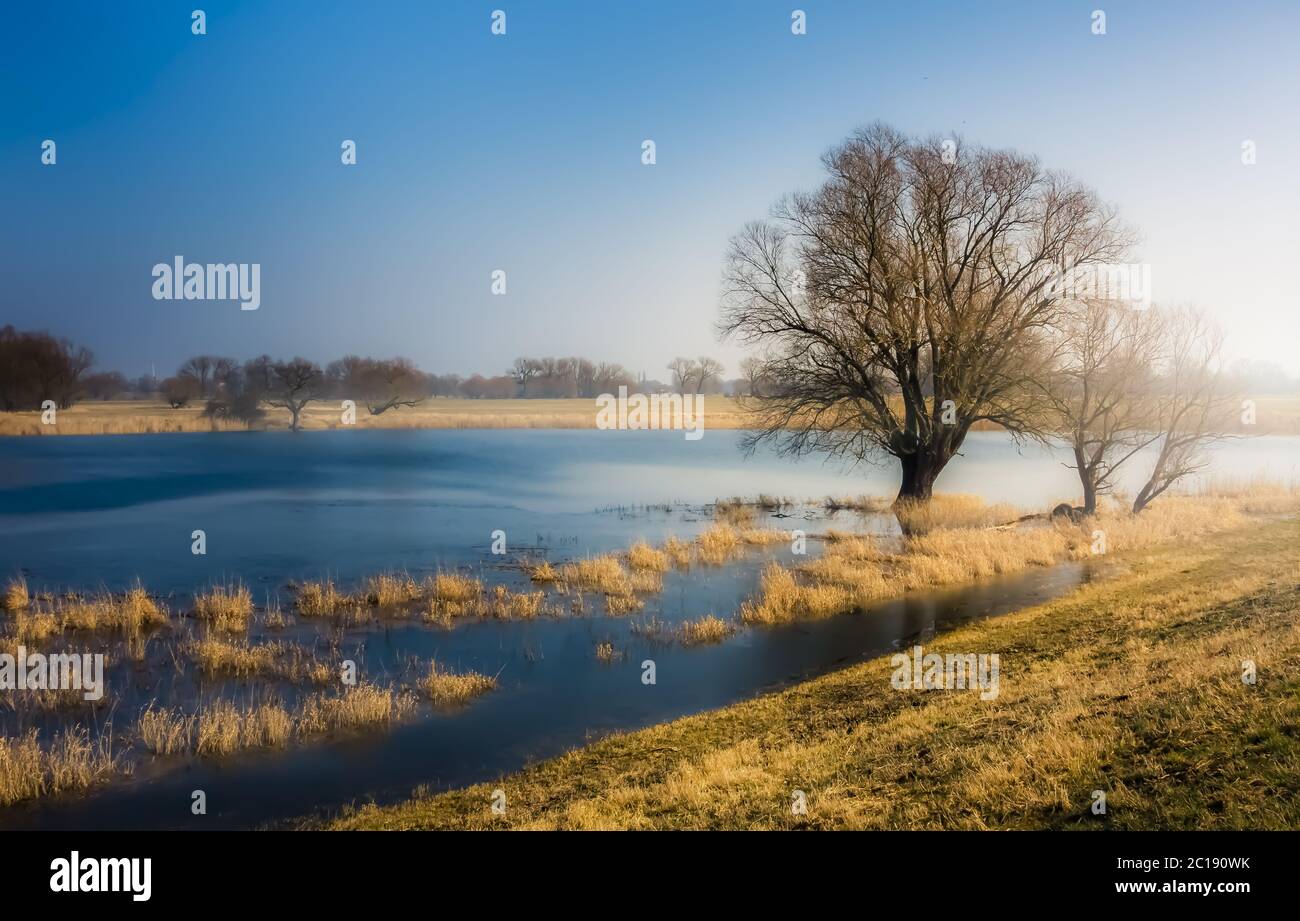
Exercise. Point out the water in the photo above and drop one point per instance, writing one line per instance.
(80, 513)
(103, 510)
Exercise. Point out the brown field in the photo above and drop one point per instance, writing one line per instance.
(1276, 415)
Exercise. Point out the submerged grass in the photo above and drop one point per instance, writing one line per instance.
(447, 687)
(225, 607)
(1131, 684)
(72, 761)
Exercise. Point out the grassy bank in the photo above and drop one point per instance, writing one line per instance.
(1276, 415)
(1132, 685)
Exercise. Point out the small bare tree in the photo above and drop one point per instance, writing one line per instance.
(1191, 401)
(295, 384)
(909, 298)
(1098, 393)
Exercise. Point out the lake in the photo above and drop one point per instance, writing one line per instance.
(101, 511)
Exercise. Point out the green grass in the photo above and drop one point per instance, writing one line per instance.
(1131, 685)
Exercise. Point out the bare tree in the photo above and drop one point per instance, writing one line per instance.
(1098, 393)
(200, 368)
(180, 390)
(523, 371)
(684, 373)
(707, 371)
(295, 384)
(751, 372)
(393, 383)
(909, 298)
(1192, 404)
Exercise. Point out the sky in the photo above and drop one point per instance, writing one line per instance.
(522, 152)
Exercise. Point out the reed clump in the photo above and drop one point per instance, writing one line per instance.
(447, 687)
(72, 761)
(225, 607)
(16, 597)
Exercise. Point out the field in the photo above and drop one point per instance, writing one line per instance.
(1131, 686)
(1276, 415)
(126, 417)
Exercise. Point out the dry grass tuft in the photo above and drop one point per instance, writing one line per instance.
(641, 556)
(679, 552)
(446, 687)
(604, 574)
(952, 510)
(504, 604)
(390, 589)
(131, 612)
(319, 599)
(719, 544)
(71, 762)
(543, 572)
(225, 607)
(15, 597)
(362, 706)
(708, 629)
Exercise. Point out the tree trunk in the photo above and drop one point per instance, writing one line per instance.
(919, 473)
(295, 410)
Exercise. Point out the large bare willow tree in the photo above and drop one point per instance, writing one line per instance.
(909, 298)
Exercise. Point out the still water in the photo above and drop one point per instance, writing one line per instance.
(100, 511)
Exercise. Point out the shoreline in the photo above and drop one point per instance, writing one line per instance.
(1118, 685)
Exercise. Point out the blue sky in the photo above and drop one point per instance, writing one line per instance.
(522, 152)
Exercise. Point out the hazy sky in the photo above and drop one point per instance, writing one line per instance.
(522, 152)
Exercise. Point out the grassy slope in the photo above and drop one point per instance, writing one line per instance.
(1130, 685)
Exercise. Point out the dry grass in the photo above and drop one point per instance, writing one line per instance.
(854, 573)
(454, 588)
(1131, 685)
(126, 417)
(641, 556)
(604, 574)
(390, 589)
(217, 655)
(131, 612)
(165, 732)
(223, 728)
(319, 599)
(449, 688)
(952, 510)
(359, 707)
(15, 597)
(607, 653)
(618, 605)
(71, 762)
(719, 544)
(705, 630)
(504, 604)
(544, 572)
(679, 552)
(225, 607)
(34, 626)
